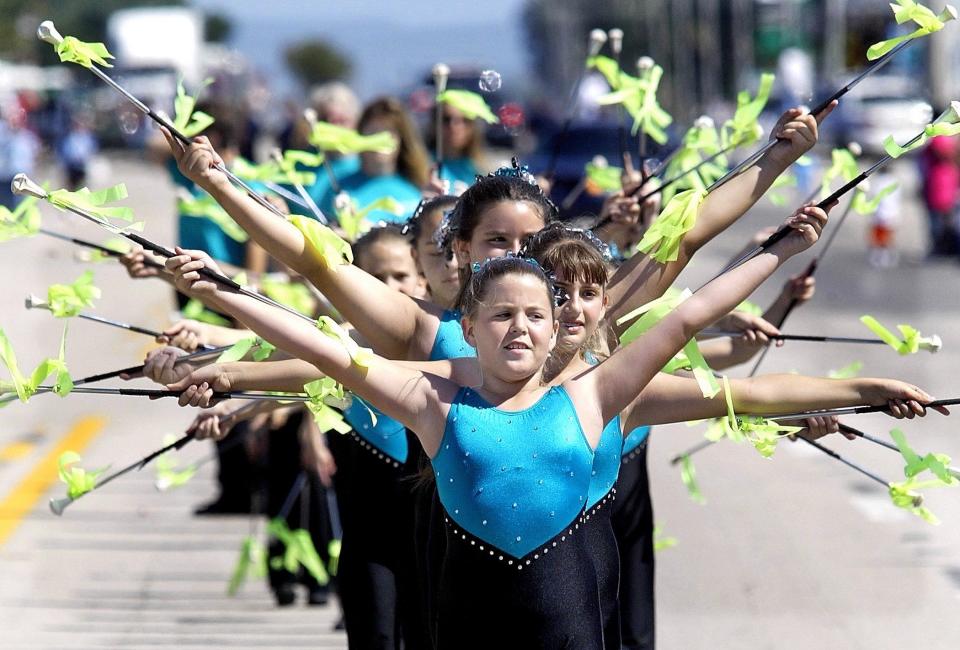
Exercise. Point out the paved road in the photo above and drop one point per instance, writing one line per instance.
(794, 552)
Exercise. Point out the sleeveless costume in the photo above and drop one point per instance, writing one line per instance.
(513, 488)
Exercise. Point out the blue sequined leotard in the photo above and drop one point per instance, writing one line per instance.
(513, 487)
(449, 342)
(386, 437)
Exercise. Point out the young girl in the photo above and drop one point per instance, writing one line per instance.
(399, 174)
(513, 457)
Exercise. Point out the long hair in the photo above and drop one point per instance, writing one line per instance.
(412, 161)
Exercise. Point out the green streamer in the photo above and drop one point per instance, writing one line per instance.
(946, 124)
(26, 387)
(865, 207)
(327, 247)
(663, 238)
(604, 178)
(472, 105)
(195, 310)
(298, 551)
(22, 221)
(847, 372)
(936, 464)
(251, 562)
(660, 542)
(187, 119)
(330, 137)
(906, 11)
(361, 357)
(639, 98)
(326, 417)
(78, 480)
(909, 344)
(688, 474)
(73, 50)
(295, 295)
(68, 300)
(94, 203)
(743, 129)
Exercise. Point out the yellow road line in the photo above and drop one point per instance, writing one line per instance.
(31, 489)
(16, 450)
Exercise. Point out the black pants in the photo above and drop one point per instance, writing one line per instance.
(309, 510)
(378, 583)
(633, 526)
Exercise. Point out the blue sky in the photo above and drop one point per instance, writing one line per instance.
(390, 43)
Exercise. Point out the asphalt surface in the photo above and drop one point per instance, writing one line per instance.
(794, 552)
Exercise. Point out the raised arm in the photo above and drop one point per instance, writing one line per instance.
(615, 382)
(414, 398)
(397, 326)
(642, 279)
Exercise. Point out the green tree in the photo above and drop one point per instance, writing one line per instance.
(316, 61)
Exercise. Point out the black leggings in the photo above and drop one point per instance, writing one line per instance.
(377, 578)
(310, 508)
(633, 526)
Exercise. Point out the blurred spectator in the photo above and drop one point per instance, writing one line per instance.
(941, 183)
(883, 252)
(463, 150)
(400, 174)
(18, 151)
(75, 150)
(335, 103)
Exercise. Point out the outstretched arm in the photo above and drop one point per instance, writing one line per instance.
(642, 279)
(668, 398)
(615, 382)
(418, 400)
(397, 326)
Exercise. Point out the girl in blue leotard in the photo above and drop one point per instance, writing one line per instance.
(515, 568)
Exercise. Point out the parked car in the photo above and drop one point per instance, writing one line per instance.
(880, 106)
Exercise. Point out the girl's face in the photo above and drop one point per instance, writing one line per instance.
(501, 229)
(391, 262)
(457, 130)
(579, 317)
(374, 163)
(440, 272)
(513, 330)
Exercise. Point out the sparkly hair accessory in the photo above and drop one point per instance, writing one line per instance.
(443, 236)
(560, 296)
(516, 170)
(554, 232)
(417, 213)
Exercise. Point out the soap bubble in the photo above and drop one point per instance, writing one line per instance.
(129, 120)
(511, 116)
(490, 81)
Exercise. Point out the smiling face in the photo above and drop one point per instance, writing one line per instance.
(580, 315)
(512, 327)
(501, 229)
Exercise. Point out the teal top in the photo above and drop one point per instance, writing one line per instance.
(200, 233)
(634, 439)
(342, 167)
(606, 462)
(449, 342)
(461, 172)
(364, 190)
(387, 435)
(515, 479)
